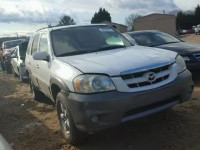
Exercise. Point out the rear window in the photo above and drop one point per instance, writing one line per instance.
(35, 44)
(11, 44)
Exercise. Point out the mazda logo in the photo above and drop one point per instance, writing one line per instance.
(151, 77)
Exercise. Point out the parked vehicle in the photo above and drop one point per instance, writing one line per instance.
(197, 29)
(1, 62)
(8, 47)
(98, 79)
(191, 31)
(189, 51)
(18, 61)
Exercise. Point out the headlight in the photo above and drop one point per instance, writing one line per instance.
(180, 63)
(186, 58)
(93, 84)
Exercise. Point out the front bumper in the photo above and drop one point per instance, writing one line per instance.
(112, 108)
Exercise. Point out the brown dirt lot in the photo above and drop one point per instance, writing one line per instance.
(30, 125)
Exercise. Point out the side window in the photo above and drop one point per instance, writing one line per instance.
(35, 44)
(43, 46)
(29, 45)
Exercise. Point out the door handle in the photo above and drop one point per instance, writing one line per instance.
(29, 63)
(37, 66)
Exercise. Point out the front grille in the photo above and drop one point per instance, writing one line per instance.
(197, 56)
(140, 79)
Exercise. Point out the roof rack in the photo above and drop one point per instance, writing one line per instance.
(42, 29)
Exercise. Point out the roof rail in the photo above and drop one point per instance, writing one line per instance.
(42, 29)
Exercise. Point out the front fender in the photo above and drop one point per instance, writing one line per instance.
(59, 83)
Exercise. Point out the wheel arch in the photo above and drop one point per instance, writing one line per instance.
(57, 85)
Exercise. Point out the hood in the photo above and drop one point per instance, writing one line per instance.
(183, 48)
(114, 62)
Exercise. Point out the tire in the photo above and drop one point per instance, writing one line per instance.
(8, 68)
(21, 79)
(37, 95)
(14, 73)
(2, 66)
(69, 130)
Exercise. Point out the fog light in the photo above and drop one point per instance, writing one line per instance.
(95, 119)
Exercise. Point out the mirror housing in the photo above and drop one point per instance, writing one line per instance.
(41, 56)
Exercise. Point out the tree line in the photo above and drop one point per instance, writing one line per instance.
(185, 20)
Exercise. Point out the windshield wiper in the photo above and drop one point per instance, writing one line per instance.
(108, 47)
(73, 53)
(172, 42)
(103, 48)
(163, 44)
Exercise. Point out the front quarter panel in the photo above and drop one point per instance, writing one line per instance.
(64, 72)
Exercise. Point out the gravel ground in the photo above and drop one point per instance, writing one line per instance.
(31, 125)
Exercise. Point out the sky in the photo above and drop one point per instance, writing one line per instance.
(23, 17)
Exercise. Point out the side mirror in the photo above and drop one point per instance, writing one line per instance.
(40, 56)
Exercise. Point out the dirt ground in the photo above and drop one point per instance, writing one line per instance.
(30, 125)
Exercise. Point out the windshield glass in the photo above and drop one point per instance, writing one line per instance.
(154, 38)
(11, 44)
(86, 39)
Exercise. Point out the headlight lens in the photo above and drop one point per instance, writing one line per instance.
(93, 84)
(180, 63)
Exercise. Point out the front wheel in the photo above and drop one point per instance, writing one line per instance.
(69, 130)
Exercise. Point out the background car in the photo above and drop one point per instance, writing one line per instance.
(190, 31)
(197, 29)
(18, 61)
(7, 48)
(189, 51)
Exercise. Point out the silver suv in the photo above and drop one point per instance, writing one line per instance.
(98, 79)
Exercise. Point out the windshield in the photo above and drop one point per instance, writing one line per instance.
(79, 40)
(11, 44)
(154, 38)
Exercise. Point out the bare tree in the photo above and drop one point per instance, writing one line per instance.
(130, 21)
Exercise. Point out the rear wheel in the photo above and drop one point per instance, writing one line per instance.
(8, 68)
(69, 130)
(13, 72)
(21, 78)
(2, 66)
(37, 95)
